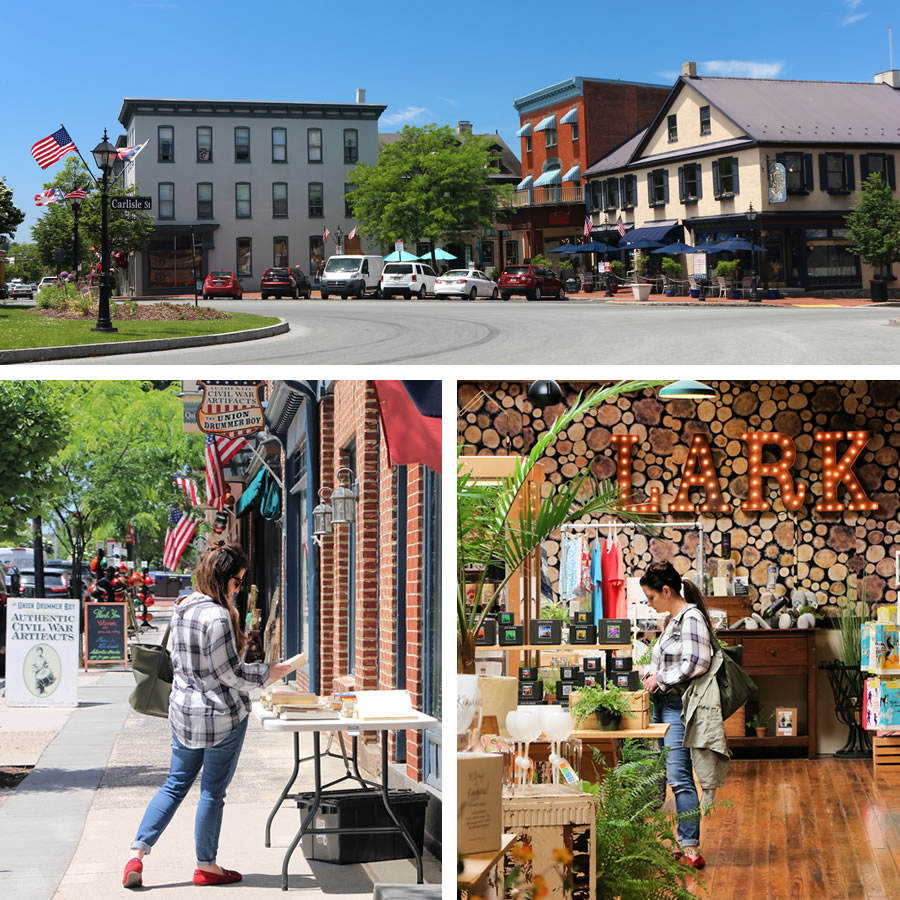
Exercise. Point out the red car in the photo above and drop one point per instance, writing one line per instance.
(222, 284)
(534, 282)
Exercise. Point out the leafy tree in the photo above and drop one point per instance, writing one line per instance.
(34, 422)
(27, 265)
(874, 224)
(125, 445)
(426, 185)
(10, 214)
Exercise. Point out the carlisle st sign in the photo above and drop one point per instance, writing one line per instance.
(131, 203)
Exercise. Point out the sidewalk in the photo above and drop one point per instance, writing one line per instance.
(65, 831)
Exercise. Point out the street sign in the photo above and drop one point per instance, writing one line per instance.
(59, 255)
(131, 203)
(398, 246)
(231, 408)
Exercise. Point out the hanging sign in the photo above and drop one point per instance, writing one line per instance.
(105, 634)
(777, 183)
(231, 408)
(41, 652)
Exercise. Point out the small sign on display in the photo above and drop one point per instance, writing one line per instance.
(231, 408)
(105, 633)
(699, 265)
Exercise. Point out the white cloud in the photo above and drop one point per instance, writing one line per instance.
(739, 68)
(450, 101)
(851, 20)
(669, 76)
(852, 4)
(404, 115)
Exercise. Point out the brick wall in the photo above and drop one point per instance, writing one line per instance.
(615, 112)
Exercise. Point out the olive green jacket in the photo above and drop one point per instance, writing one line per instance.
(704, 730)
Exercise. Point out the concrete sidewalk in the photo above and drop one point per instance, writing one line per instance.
(65, 831)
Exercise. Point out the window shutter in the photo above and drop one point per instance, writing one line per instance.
(665, 185)
(808, 170)
(889, 159)
(681, 192)
(863, 168)
(735, 182)
(717, 182)
(603, 195)
(699, 182)
(622, 192)
(850, 181)
(651, 200)
(614, 193)
(823, 171)
(634, 196)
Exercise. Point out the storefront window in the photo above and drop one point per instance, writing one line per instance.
(316, 253)
(243, 265)
(280, 252)
(170, 265)
(487, 253)
(826, 259)
(512, 253)
(432, 627)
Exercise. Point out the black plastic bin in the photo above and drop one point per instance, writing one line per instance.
(356, 809)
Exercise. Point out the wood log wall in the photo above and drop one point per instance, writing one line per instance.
(812, 550)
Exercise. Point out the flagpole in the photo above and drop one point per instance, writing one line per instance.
(81, 157)
(257, 454)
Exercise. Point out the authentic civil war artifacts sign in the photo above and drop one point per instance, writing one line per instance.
(231, 408)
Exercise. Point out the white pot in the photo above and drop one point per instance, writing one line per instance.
(641, 291)
(807, 620)
(785, 620)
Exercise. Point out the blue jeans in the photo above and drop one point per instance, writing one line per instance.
(679, 773)
(218, 765)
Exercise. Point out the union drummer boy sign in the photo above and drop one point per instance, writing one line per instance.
(231, 408)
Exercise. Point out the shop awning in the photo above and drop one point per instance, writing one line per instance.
(544, 124)
(571, 117)
(411, 416)
(551, 176)
(525, 183)
(658, 231)
(525, 130)
(263, 489)
(574, 174)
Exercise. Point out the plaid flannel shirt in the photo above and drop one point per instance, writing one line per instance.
(209, 696)
(683, 651)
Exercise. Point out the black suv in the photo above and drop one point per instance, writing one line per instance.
(283, 282)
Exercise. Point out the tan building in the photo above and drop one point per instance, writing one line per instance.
(710, 154)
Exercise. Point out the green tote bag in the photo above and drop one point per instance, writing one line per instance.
(153, 672)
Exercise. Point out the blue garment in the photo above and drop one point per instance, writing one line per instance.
(218, 763)
(679, 774)
(597, 579)
(570, 570)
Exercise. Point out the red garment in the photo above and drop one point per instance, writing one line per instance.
(585, 584)
(613, 568)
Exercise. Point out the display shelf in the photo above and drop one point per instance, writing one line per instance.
(477, 865)
(654, 730)
(553, 648)
(798, 740)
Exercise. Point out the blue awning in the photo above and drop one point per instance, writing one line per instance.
(571, 117)
(251, 493)
(544, 124)
(658, 231)
(525, 183)
(574, 174)
(264, 489)
(525, 130)
(551, 176)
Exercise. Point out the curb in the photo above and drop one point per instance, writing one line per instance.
(44, 354)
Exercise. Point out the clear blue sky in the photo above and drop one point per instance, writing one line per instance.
(442, 62)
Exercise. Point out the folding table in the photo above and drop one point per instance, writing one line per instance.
(353, 728)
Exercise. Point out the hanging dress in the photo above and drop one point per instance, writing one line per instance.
(613, 568)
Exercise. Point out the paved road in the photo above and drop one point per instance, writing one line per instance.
(448, 332)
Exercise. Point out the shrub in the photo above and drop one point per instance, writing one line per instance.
(539, 260)
(726, 268)
(618, 268)
(671, 267)
(84, 303)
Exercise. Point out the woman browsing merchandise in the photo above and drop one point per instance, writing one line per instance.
(208, 710)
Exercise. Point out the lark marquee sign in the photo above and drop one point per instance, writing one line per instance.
(231, 408)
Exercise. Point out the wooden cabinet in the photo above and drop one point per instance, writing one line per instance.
(786, 654)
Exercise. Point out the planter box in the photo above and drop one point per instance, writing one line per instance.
(734, 295)
(641, 291)
(695, 292)
(640, 711)
(736, 724)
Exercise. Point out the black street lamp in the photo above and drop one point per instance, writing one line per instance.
(339, 240)
(608, 271)
(76, 210)
(752, 216)
(105, 157)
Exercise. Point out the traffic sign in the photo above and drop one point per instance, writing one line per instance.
(131, 203)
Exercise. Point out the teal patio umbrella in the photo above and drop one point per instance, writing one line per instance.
(438, 254)
(400, 256)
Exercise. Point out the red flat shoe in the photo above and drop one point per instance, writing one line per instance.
(695, 862)
(134, 873)
(678, 854)
(228, 876)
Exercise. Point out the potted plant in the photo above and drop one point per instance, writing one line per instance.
(728, 269)
(617, 268)
(640, 290)
(671, 269)
(488, 530)
(598, 709)
(759, 722)
(550, 677)
(874, 231)
(555, 609)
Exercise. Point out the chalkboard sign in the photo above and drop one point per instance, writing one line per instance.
(105, 630)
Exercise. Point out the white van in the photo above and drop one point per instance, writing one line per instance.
(20, 557)
(352, 275)
(411, 279)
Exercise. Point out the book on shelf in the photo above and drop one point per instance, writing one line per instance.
(313, 713)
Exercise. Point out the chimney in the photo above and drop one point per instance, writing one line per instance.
(891, 77)
(360, 95)
(464, 127)
(689, 69)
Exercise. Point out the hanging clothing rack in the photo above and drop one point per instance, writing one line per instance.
(597, 526)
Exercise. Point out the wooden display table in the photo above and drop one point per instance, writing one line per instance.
(477, 867)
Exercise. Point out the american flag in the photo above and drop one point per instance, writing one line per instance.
(131, 152)
(229, 447)
(588, 225)
(189, 486)
(325, 235)
(215, 474)
(178, 535)
(620, 227)
(77, 194)
(53, 148)
(53, 195)
(352, 234)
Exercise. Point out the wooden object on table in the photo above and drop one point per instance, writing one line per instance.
(790, 652)
(886, 755)
(738, 607)
(608, 745)
(736, 724)
(640, 711)
(477, 868)
(547, 817)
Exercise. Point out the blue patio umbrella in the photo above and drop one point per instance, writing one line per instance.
(565, 248)
(594, 247)
(735, 244)
(707, 247)
(640, 244)
(677, 247)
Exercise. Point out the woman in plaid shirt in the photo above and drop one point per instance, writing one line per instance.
(208, 710)
(683, 652)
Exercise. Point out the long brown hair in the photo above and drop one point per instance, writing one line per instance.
(664, 574)
(216, 567)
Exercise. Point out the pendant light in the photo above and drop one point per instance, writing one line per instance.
(544, 393)
(687, 390)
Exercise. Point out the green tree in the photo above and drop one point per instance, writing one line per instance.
(34, 421)
(874, 224)
(10, 214)
(124, 447)
(426, 185)
(27, 264)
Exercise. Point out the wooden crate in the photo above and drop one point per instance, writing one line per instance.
(736, 724)
(640, 711)
(886, 754)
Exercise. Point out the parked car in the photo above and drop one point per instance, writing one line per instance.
(301, 280)
(222, 284)
(466, 283)
(352, 275)
(533, 282)
(56, 582)
(47, 280)
(22, 290)
(278, 282)
(411, 279)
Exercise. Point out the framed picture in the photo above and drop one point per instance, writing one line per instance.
(786, 721)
